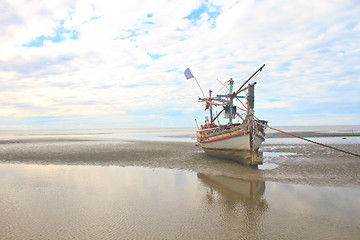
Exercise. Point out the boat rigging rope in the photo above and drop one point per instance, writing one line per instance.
(305, 139)
(223, 88)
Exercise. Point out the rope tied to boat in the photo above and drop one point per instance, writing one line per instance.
(308, 140)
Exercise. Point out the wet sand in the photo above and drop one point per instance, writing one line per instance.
(82, 188)
(111, 202)
(294, 163)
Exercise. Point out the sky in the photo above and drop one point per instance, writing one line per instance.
(120, 64)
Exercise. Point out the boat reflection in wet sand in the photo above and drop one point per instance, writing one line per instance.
(244, 198)
(239, 198)
(235, 188)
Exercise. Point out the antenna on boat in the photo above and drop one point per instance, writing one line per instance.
(188, 74)
(197, 124)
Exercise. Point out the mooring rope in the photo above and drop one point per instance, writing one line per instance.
(305, 139)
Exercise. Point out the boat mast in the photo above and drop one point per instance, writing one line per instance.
(250, 115)
(231, 82)
(239, 90)
(250, 100)
(210, 108)
(231, 95)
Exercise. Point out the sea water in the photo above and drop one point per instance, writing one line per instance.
(162, 134)
(348, 129)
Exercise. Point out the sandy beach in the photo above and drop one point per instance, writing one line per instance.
(301, 162)
(76, 186)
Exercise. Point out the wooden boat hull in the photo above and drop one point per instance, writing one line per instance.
(235, 147)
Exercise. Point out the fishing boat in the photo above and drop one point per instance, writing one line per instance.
(240, 138)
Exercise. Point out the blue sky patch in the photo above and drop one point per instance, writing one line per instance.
(174, 70)
(212, 11)
(60, 34)
(273, 100)
(155, 55)
(149, 15)
(132, 33)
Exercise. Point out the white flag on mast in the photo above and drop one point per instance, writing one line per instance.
(188, 74)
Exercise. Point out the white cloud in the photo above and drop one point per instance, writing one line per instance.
(310, 49)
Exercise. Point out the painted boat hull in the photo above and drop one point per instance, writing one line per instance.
(234, 146)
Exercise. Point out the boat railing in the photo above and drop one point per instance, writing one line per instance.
(212, 132)
(208, 129)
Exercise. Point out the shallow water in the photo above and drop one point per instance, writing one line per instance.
(152, 134)
(112, 202)
(350, 129)
(323, 140)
